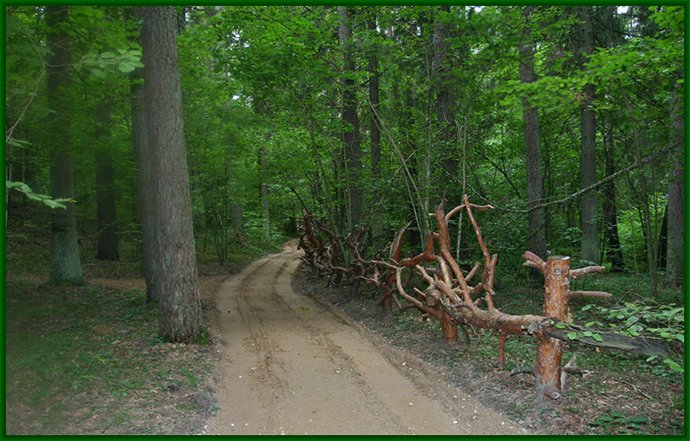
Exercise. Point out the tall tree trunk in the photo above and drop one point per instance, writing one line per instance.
(614, 253)
(589, 247)
(65, 266)
(675, 253)
(145, 197)
(179, 302)
(106, 213)
(351, 137)
(445, 102)
(535, 185)
(375, 124)
(264, 193)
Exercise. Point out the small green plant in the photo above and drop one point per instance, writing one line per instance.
(619, 422)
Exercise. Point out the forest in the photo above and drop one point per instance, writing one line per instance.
(177, 144)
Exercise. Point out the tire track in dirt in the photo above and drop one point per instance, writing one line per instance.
(292, 366)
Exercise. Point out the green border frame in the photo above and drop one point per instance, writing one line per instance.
(3, 223)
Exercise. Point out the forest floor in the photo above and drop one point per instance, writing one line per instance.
(86, 360)
(291, 364)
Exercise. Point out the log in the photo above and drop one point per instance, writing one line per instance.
(610, 340)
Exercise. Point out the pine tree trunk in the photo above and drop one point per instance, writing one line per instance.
(106, 213)
(145, 197)
(179, 302)
(589, 247)
(675, 253)
(535, 185)
(65, 265)
(350, 120)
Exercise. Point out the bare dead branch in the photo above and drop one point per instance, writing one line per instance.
(577, 273)
(534, 261)
(580, 294)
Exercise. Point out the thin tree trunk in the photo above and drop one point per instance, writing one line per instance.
(65, 266)
(445, 101)
(614, 253)
(106, 213)
(264, 193)
(648, 220)
(675, 253)
(589, 247)
(535, 185)
(236, 219)
(662, 243)
(351, 137)
(145, 197)
(179, 303)
(375, 124)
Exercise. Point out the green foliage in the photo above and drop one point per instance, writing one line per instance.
(45, 199)
(111, 62)
(636, 319)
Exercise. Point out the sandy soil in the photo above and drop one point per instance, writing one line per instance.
(293, 365)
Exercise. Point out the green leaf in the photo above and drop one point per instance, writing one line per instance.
(674, 366)
(573, 335)
(597, 337)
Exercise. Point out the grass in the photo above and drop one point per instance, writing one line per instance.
(88, 360)
(83, 357)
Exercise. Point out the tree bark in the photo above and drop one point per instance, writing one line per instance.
(179, 302)
(675, 253)
(106, 213)
(236, 217)
(350, 120)
(589, 246)
(264, 193)
(65, 265)
(535, 185)
(145, 197)
(614, 254)
(375, 124)
(550, 351)
(445, 100)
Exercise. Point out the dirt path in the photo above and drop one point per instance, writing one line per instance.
(293, 366)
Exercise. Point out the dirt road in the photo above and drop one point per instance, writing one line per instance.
(291, 365)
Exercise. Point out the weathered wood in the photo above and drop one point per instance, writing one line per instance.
(501, 350)
(610, 340)
(450, 299)
(550, 351)
(577, 273)
(599, 294)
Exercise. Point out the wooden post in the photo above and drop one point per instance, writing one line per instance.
(550, 351)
